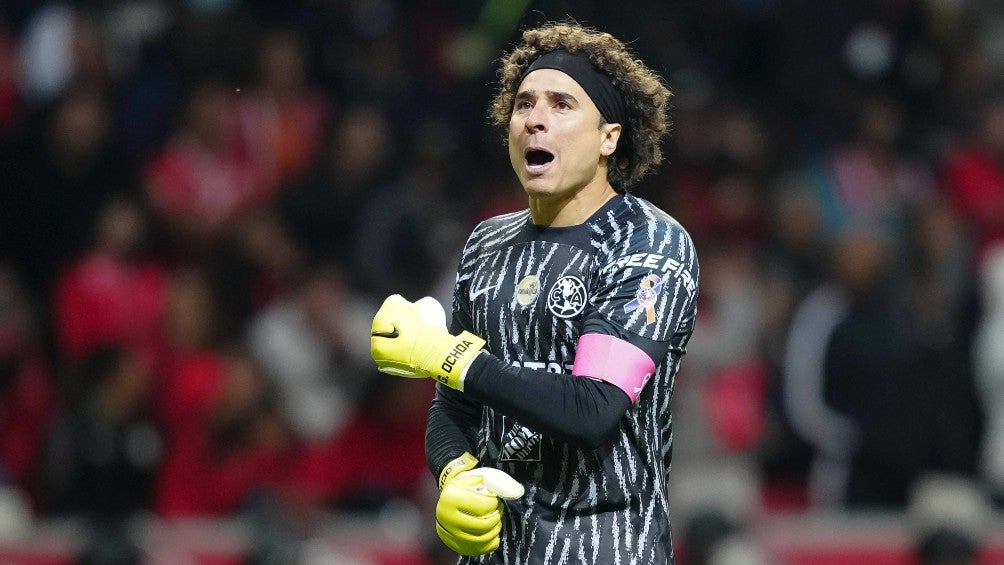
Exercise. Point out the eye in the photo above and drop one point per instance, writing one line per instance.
(563, 105)
(523, 105)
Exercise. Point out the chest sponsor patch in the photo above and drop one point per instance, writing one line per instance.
(527, 290)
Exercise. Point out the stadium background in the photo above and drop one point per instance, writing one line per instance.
(202, 202)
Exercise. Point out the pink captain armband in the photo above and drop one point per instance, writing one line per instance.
(613, 360)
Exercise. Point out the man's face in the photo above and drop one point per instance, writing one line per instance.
(555, 138)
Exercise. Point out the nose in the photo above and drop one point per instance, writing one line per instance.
(536, 120)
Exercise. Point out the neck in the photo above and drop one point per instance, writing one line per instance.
(573, 209)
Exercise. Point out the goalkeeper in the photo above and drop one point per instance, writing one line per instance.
(551, 431)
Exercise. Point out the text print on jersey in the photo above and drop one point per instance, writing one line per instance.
(654, 261)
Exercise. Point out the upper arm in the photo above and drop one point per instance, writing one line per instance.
(645, 299)
(649, 290)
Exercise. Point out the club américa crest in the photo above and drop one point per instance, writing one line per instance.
(567, 297)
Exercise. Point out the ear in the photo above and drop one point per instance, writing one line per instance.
(609, 135)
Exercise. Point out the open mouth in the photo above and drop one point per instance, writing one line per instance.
(538, 159)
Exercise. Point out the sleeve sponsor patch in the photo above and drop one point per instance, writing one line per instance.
(647, 293)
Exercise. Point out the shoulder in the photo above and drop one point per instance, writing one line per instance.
(514, 220)
(636, 226)
(495, 230)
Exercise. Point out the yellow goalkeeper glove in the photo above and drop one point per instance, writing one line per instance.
(410, 340)
(469, 511)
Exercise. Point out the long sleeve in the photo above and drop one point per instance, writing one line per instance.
(578, 410)
(450, 427)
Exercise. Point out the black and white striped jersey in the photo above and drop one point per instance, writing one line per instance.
(530, 292)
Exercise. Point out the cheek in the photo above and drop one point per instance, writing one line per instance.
(512, 145)
(515, 155)
(587, 150)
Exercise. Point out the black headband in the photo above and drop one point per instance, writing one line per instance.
(597, 84)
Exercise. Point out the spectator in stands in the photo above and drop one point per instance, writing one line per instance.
(104, 449)
(102, 453)
(323, 210)
(876, 375)
(284, 117)
(873, 175)
(723, 351)
(792, 264)
(376, 457)
(394, 234)
(829, 434)
(973, 176)
(222, 438)
(61, 174)
(308, 345)
(114, 294)
(28, 394)
(61, 48)
(718, 184)
(871, 371)
(204, 180)
(254, 266)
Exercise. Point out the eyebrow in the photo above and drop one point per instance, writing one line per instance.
(550, 94)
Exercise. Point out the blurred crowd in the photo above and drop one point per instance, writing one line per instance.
(202, 203)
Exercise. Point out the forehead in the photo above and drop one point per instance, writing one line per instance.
(553, 80)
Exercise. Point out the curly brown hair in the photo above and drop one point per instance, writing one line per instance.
(645, 94)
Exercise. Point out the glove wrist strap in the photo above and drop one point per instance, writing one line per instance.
(462, 463)
(462, 350)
